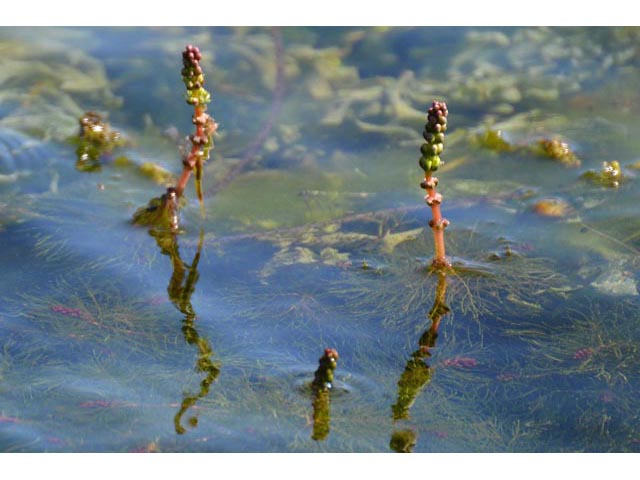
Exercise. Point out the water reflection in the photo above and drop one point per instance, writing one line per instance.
(181, 287)
(418, 373)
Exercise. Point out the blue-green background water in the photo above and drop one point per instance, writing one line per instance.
(319, 239)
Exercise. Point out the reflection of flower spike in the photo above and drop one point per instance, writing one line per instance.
(403, 441)
(418, 373)
(181, 287)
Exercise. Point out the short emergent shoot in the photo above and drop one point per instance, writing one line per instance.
(433, 134)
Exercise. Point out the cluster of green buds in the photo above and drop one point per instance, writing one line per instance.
(433, 134)
(193, 77)
(323, 379)
(198, 96)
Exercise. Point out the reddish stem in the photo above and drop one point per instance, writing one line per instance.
(437, 223)
(189, 162)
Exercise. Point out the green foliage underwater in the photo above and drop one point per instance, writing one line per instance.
(121, 336)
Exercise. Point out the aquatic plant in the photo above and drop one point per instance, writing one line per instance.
(201, 140)
(610, 175)
(433, 134)
(95, 139)
(556, 150)
(163, 211)
(551, 148)
(322, 385)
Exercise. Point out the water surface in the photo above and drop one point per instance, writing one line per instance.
(316, 236)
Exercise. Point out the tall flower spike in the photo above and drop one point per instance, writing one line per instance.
(202, 139)
(433, 134)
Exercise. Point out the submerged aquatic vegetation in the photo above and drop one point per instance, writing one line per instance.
(583, 365)
(552, 207)
(552, 148)
(95, 139)
(44, 85)
(610, 175)
(599, 343)
(494, 140)
(557, 150)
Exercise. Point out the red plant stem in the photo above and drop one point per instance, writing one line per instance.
(437, 223)
(189, 163)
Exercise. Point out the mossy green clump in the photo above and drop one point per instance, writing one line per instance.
(556, 150)
(403, 441)
(610, 175)
(95, 140)
(160, 213)
(493, 140)
(155, 172)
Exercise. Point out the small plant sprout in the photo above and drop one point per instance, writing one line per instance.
(322, 385)
(433, 134)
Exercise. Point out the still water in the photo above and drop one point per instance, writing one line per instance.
(114, 338)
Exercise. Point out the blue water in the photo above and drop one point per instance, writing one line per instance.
(320, 241)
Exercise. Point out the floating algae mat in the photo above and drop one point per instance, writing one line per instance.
(296, 311)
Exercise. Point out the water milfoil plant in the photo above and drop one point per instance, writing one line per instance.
(202, 139)
(162, 211)
(433, 134)
(322, 385)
